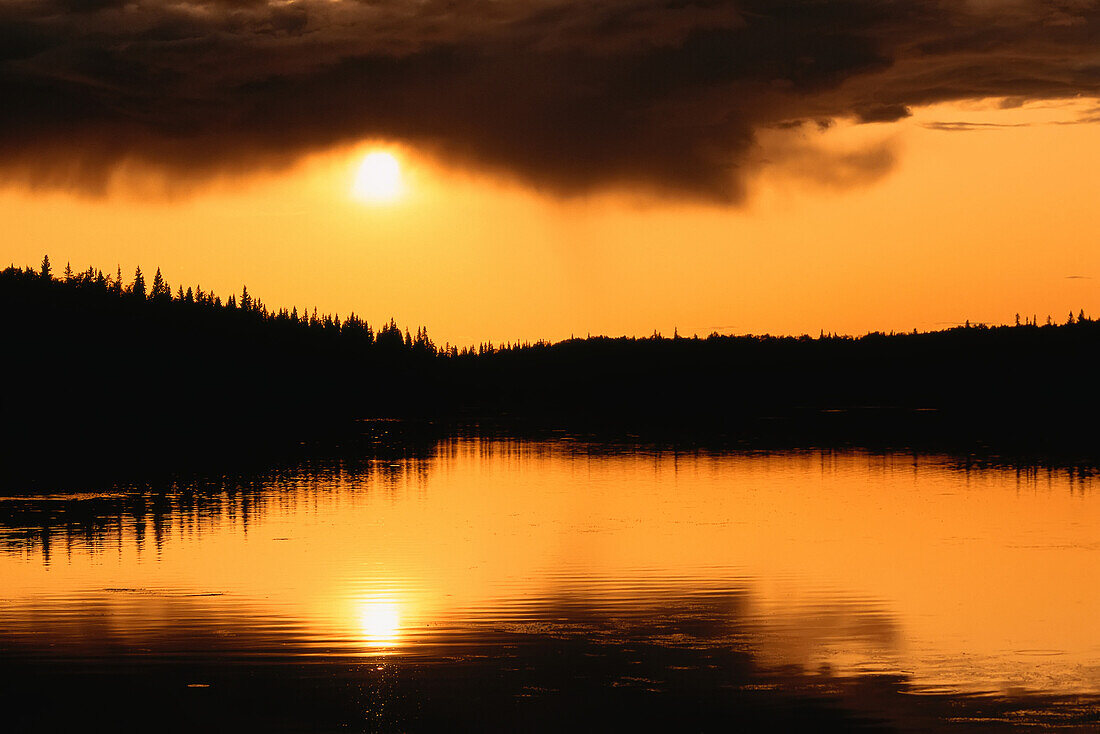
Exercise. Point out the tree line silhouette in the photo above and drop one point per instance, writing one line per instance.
(97, 289)
(116, 371)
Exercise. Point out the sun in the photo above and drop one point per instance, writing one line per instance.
(379, 178)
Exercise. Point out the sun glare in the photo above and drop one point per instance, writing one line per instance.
(380, 622)
(379, 178)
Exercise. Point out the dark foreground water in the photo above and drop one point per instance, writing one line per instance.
(559, 585)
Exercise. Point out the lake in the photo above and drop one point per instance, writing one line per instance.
(503, 584)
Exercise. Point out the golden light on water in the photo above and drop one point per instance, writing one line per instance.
(379, 179)
(971, 580)
(380, 622)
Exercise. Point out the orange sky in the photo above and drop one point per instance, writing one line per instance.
(977, 224)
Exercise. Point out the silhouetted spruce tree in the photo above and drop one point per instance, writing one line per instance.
(45, 270)
(389, 336)
(160, 287)
(137, 288)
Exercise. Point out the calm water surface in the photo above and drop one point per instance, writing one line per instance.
(505, 584)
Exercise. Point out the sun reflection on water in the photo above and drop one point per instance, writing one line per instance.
(380, 622)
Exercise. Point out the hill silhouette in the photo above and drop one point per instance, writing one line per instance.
(109, 371)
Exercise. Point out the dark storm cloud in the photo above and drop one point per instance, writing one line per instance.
(566, 95)
(883, 113)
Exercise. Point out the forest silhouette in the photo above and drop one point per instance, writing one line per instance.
(112, 370)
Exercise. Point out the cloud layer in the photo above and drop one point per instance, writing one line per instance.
(567, 95)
